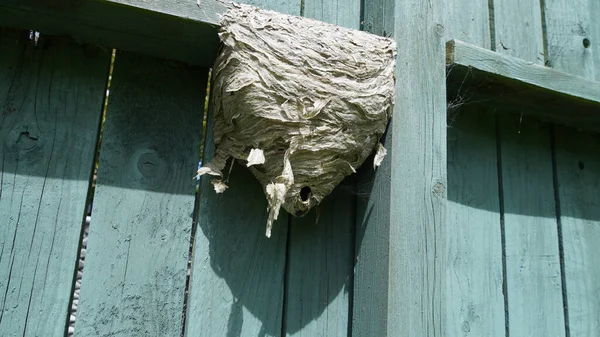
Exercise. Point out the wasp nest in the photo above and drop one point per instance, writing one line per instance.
(301, 102)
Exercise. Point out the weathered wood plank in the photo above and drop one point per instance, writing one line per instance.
(533, 275)
(370, 291)
(474, 276)
(345, 13)
(567, 30)
(238, 275)
(520, 86)
(292, 7)
(578, 173)
(378, 17)
(136, 263)
(237, 280)
(518, 29)
(51, 100)
(594, 7)
(173, 29)
(410, 221)
(320, 267)
(320, 255)
(468, 21)
(418, 175)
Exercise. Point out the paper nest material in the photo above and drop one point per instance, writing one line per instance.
(303, 103)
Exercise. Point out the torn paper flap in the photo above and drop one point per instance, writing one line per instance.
(219, 185)
(209, 169)
(256, 157)
(381, 152)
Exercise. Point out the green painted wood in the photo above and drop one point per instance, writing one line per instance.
(567, 25)
(50, 100)
(172, 29)
(594, 7)
(578, 174)
(418, 175)
(237, 277)
(320, 255)
(533, 275)
(468, 21)
(522, 87)
(370, 291)
(474, 276)
(345, 13)
(518, 29)
(405, 214)
(378, 17)
(292, 7)
(320, 267)
(136, 261)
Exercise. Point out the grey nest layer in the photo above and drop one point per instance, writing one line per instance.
(301, 102)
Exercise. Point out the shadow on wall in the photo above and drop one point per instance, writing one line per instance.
(247, 285)
(527, 165)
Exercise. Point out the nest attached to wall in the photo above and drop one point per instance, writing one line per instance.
(303, 103)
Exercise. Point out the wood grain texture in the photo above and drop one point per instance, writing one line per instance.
(518, 29)
(173, 29)
(535, 305)
(50, 100)
(136, 261)
(418, 175)
(474, 276)
(378, 17)
(345, 13)
(320, 267)
(292, 7)
(408, 216)
(468, 21)
(594, 7)
(370, 295)
(522, 87)
(568, 23)
(320, 255)
(237, 280)
(371, 286)
(578, 171)
(238, 275)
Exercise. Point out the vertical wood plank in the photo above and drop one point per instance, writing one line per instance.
(474, 279)
(418, 174)
(578, 171)
(594, 8)
(292, 7)
(378, 17)
(518, 29)
(568, 24)
(370, 291)
(136, 262)
(533, 275)
(237, 283)
(468, 21)
(345, 13)
(237, 280)
(320, 266)
(410, 211)
(474, 276)
(50, 105)
(320, 256)
(535, 305)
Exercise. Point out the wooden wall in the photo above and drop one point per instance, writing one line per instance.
(522, 206)
(479, 222)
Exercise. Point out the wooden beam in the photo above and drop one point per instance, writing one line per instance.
(486, 77)
(178, 30)
(399, 282)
